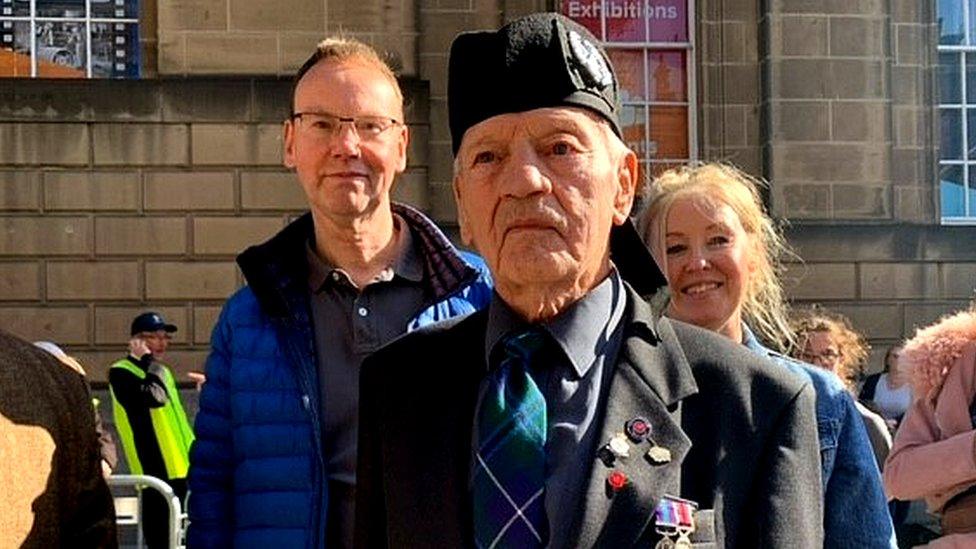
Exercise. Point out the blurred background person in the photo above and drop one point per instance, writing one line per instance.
(106, 444)
(934, 455)
(52, 493)
(150, 420)
(721, 253)
(889, 390)
(829, 341)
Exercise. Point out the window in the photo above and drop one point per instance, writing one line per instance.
(69, 38)
(650, 45)
(957, 110)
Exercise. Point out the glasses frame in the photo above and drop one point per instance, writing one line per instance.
(351, 120)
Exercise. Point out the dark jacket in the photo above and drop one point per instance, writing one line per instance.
(53, 492)
(257, 475)
(742, 436)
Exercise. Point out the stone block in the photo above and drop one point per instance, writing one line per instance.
(910, 11)
(20, 190)
(204, 320)
(171, 53)
(875, 321)
(62, 325)
(899, 281)
(828, 162)
(859, 121)
(41, 100)
(857, 79)
(232, 235)
(183, 191)
(272, 97)
(958, 280)
(925, 314)
(20, 281)
(365, 16)
(294, 49)
(440, 27)
(260, 15)
(44, 144)
(91, 190)
(113, 324)
(910, 44)
(232, 53)
(800, 79)
(140, 236)
(906, 83)
(862, 201)
(710, 41)
(798, 201)
(411, 188)
(182, 362)
(205, 100)
(741, 83)
(122, 100)
(271, 191)
(51, 235)
(236, 144)
(833, 7)
(190, 280)
(820, 281)
(908, 133)
(801, 120)
(443, 208)
(439, 130)
(433, 68)
(856, 37)
(799, 36)
(740, 10)
(913, 204)
(140, 144)
(909, 167)
(416, 101)
(192, 15)
(85, 280)
(417, 148)
(441, 163)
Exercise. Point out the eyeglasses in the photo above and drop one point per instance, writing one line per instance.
(326, 126)
(827, 356)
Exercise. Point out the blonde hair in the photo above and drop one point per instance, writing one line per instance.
(764, 305)
(344, 48)
(851, 345)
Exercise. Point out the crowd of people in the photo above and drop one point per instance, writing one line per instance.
(597, 375)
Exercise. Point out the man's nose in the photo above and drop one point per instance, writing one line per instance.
(345, 140)
(524, 174)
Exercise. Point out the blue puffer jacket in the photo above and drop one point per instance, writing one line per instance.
(257, 473)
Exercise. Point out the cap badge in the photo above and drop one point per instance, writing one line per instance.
(588, 57)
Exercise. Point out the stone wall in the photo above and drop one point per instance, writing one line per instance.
(117, 197)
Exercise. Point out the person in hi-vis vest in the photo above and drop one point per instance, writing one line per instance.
(150, 419)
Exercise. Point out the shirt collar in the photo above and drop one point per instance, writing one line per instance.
(582, 331)
(406, 263)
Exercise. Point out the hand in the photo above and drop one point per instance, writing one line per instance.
(106, 469)
(197, 377)
(138, 347)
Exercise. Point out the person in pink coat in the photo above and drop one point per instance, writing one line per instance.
(934, 453)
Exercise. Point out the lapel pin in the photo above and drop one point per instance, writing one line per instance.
(658, 455)
(605, 454)
(637, 429)
(619, 446)
(616, 481)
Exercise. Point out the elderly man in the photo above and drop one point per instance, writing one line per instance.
(275, 458)
(571, 413)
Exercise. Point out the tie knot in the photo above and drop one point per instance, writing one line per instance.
(525, 344)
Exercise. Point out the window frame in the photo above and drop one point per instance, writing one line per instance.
(966, 162)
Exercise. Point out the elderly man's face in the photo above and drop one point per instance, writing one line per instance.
(538, 193)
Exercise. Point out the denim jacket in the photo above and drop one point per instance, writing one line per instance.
(855, 507)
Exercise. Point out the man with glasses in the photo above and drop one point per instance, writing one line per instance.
(277, 429)
(150, 420)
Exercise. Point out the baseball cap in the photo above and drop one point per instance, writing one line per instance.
(150, 322)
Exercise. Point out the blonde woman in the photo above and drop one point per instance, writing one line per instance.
(707, 230)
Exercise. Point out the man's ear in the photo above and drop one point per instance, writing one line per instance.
(462, 215)
(288, 142)
(626, 187)
(402, 147)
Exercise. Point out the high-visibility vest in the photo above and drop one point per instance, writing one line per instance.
(173, 432)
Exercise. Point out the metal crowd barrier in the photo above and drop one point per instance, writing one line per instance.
(176, 518)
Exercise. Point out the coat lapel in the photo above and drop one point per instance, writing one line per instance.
(650, 378)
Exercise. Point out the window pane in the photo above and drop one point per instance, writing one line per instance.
(115, 9)
(950, 22)
(15, 48)
(953, 204)
(629, 66)
(970, 78)
(669, 132)
(584, 12)
(60, 50)
(633, 121)
(60, 8)
(950, 83)
(625, 22)
(17, 8)
(115, 50)
(951, 125)
(667, 72)
(668, 20)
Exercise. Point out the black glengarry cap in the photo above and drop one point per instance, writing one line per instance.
(541, 60)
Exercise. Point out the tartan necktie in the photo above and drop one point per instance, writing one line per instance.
(508, 486)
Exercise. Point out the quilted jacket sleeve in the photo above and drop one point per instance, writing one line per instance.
(210, 506)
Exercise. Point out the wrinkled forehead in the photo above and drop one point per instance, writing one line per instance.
(535, 122)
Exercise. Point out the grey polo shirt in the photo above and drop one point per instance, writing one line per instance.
(349, 323)
(589, 334)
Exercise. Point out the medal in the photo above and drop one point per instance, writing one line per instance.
(674, 517)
